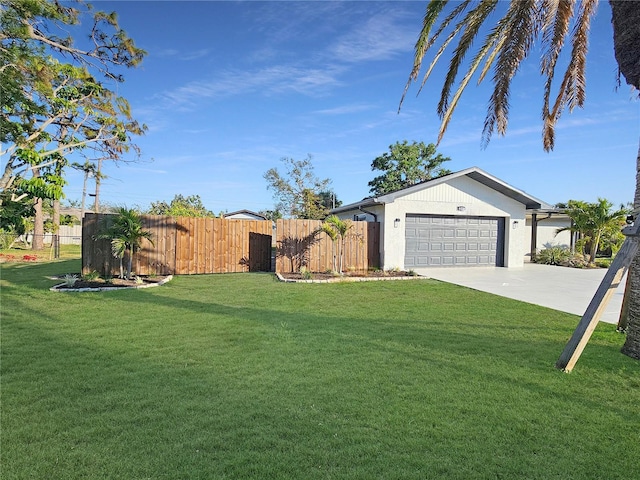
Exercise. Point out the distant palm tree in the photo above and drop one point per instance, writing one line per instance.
(126, 234)
(508, 42)
(593, 220)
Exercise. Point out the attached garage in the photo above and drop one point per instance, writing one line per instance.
(466, 218)
(450, 241)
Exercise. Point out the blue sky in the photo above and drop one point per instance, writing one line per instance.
(229, 88)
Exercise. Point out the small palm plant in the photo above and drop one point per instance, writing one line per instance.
(332, 233)
(337, 228)
(126, 234)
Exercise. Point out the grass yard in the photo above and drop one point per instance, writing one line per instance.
(238, 376)
(17, 254)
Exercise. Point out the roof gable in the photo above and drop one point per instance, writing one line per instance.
(239, 214)
(473, 173)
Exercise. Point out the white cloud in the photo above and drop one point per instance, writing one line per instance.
(272, 80)
(345, 109)
(183, 55)
(381, 37)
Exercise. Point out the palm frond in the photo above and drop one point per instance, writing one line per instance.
(572, 91)
(522, 28)
(472, 22)
(498, 45)
(118, 247)
(558, 14)
(424, 43)
(493, 41)
(508, 44)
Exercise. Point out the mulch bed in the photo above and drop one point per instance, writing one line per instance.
(113, 284)
(324, 277)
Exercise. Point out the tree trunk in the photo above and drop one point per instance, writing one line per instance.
(632, 293)
(38, 226)
(626, 39)
(96, 202)
(625, 17)
(593, 249)
(38, 220)
(56, 217)
(84, 194)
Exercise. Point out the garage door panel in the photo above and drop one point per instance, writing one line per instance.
(433, 241)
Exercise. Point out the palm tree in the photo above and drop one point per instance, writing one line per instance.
(508, 43)
(593, 220)
(332, 233)
(126, 234)
(337, 228)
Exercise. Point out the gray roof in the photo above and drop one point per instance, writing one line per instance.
(245, 212)
(474, 173)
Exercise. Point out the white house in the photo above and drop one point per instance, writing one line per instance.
(244, 215)
(466, 218)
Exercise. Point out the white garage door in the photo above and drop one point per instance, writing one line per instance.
(440, 241)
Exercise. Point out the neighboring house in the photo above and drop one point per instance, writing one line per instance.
(244, 215)
(542, 228)
(466, 218)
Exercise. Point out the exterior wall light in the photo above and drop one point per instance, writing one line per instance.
(515, 224)
(461, 208)
(396, 222)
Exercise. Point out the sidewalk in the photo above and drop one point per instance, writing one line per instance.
(561, 288)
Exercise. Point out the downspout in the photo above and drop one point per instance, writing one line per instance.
(375, 217)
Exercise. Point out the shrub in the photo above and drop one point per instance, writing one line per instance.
(306, 273)
(7, 239)
(92, 275)
(604, 262)
(555, 255)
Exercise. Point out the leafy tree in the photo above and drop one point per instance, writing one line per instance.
(14, 213)
(53, 102)
(509, 41)
(405, 165)
(299, 193)
(126, 233)
(181, 206)
(593, 221)
(272, 215)
(329, 200)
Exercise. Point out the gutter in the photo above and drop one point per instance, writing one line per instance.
(375, 217)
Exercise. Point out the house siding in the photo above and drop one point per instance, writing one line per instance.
(477, 199)
(461, 196)
(547, 228)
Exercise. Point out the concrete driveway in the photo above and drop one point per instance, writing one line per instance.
(561, 288)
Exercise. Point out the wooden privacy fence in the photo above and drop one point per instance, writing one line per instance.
(300, 243)
(183, 246)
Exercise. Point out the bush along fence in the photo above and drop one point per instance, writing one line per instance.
(186, 246)
(302, 243)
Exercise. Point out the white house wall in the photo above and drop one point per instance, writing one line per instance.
(445, 199)
(547, 228)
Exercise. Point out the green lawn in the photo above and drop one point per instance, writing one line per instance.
(238, 376)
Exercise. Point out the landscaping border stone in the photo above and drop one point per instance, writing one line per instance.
(56, 288)
(347, 279)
